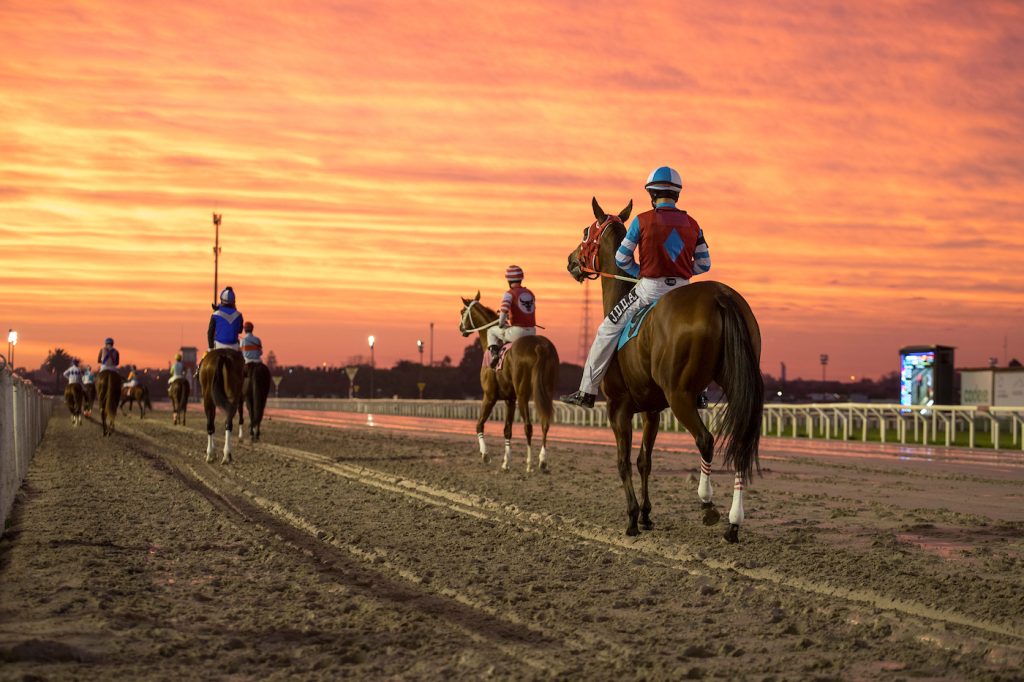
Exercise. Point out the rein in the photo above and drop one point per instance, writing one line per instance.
(590, 249)
(466, 318)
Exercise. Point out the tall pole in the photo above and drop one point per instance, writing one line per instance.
(373, 364)
(216, 252)
(431, 344)
(824, 364)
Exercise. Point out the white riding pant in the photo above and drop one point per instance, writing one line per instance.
(496, 336)
(647, 290)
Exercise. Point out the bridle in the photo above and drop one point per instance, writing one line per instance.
(467, 318)
(590, 249)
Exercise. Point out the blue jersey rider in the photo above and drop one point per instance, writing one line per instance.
(73, 373)
(252, 348)
(671, 247)
(108, 358)
(225, 323)
(518, 317)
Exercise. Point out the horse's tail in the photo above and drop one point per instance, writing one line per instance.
(542, 399)
(740, 378)
(220, 381)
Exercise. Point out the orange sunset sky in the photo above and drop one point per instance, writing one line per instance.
(858, 167)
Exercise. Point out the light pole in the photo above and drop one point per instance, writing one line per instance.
(419, 384)
(371, 340)
(419, 346)
(12, 341)
(431, 344)
(824, 364)
(216, 253)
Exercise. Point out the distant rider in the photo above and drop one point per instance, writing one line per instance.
(132, 381)
(73, 373)
(671, 248)
(87, 377)
(518, 316)
(252, 348)
(177, 370)
(225, 323)
(108, 358)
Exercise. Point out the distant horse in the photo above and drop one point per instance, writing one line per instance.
(108, 391)
(135, 394)
(255, 388)
(179, 391)
(696, 334)
(529, 370)
(221, 376)
(88, 398)
(73, 397)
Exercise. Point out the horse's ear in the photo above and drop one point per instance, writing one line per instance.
(477, 295)
(624, 213)
(598, 211)
(465, 301)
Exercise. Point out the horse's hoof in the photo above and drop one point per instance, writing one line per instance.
(226, 459)
(632, 531)
(732, 536)
(711, 515)
(544, 468)
(505, 468)
(529, 470)
(647, 524)
(485, 458)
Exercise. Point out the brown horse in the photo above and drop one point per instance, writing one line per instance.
(178, 392)
(530, 369)
(696, 334)
(135, 394)
(73, 399)
(88, 398)
(256, 388)
(108, 392)
(221, 375)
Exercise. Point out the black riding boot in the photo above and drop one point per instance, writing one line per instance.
(495, 354)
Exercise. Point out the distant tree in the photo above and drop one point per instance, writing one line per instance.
(57, 360)
(271, 361)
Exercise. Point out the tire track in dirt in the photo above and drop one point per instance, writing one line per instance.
(682, 557)
(534, 645)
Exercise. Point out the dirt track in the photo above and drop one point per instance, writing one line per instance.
(324, 552)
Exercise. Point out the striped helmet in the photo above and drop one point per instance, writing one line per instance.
(664, 178)
(227, 297)
(514, 273)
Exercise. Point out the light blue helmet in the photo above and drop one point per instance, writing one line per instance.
(227, 297)
(108, 341)
(664, 178)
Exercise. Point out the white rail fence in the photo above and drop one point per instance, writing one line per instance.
(23, 416)
(949, 425)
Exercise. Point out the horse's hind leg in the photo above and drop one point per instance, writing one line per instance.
(510, 415)
(622, 425)
(211, 412)
(684, 406)
(227, 436)
(524, 412)
(652, 420)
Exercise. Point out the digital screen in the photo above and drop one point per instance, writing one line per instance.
(917, 378)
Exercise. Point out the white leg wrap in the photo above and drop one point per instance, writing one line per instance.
(483, 443)
(704, 489)
(209, 448)
(506, 463)
(543, 457)
(227, 447)
(529, 459)
(736, 513)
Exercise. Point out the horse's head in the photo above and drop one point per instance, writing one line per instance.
(466, 315)
(587, 259)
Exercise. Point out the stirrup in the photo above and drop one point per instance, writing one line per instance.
(702, 400)
(495, 355)
(579, 398)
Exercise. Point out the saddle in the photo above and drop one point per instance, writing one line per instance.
(632, 330)
(501, 357)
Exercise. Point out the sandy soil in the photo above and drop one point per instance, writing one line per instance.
(324, 553)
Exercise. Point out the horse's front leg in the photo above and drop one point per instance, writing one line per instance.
(622, 425)
(510, 415)
(652, 420)
(490, 397)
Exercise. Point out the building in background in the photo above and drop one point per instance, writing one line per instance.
(992, 386)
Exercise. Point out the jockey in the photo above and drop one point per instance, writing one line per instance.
(87, 377)
(132, 379)
(518, 316)
(73, 373)
(252, 347)
(671, 247)
(108, 358)
(177, 370)
(225, 323)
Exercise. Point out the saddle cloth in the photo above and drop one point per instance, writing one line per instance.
(632, 329)
(501, 356)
